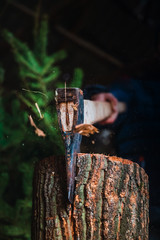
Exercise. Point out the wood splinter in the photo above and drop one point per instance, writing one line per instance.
(85, 129)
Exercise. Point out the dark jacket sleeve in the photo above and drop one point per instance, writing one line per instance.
(122, 91)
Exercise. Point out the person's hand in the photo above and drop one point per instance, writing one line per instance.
(114, 103)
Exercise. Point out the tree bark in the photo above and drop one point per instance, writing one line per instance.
(111, 200)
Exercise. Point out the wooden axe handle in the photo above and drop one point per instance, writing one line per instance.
(96, 111)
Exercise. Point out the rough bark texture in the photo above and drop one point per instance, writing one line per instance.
(111, 200)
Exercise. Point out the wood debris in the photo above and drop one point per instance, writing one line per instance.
(39, 111)
(85, 129)
(38, 131)
(75, 106)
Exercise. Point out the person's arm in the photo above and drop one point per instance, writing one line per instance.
(120, 92)
(114, 103)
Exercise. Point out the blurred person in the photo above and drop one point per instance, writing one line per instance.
(137, 130)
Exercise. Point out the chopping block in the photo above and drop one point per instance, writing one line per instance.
(111, 200)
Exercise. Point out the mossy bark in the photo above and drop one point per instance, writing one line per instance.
(111, 200)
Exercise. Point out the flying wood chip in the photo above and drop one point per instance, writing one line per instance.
(85, 129)
(38, 131)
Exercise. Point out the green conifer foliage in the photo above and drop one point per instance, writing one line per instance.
(20, 146)
(39, 73)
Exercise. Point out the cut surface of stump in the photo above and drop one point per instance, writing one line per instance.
(111, 200)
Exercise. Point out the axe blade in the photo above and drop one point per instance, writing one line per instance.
(70, 109)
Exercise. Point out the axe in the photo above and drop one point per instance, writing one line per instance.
(73, 113)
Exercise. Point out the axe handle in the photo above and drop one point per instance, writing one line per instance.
(96, 111)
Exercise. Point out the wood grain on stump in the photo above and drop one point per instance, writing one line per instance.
(111, 200)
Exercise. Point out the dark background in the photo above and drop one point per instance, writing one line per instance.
(126, 30)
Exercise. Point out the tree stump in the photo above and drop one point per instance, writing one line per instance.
(111, 200)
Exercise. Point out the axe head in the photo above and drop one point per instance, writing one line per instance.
(70, 110)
